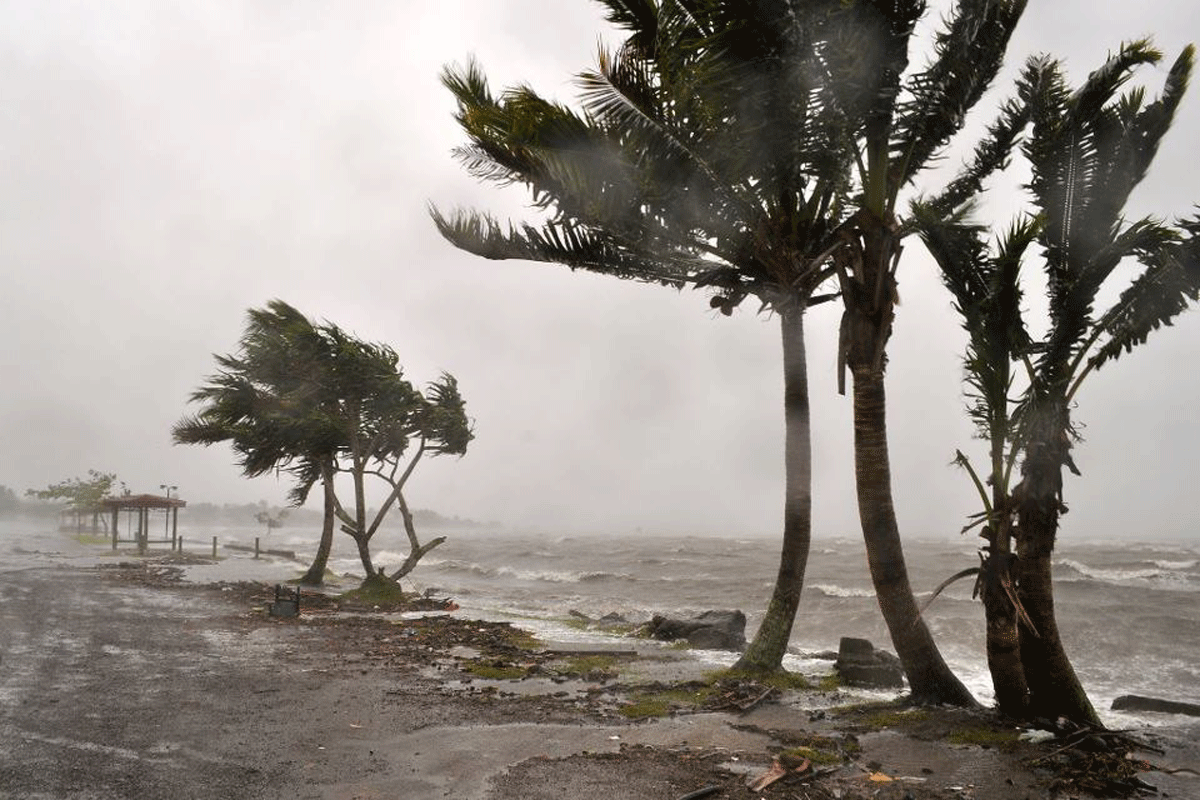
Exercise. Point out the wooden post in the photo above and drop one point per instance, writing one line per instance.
(116, 530)
(214, 548)
(141, 531)
(174, 520)
(256, 547)
(180, 540)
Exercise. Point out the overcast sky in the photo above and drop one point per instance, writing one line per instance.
(165, 166)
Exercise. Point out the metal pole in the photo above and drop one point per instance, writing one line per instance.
(256, 547)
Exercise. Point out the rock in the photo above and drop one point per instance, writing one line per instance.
(1133, 702)
(860, 664)
(712, 630)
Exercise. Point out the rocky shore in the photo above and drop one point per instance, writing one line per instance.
(121, 681)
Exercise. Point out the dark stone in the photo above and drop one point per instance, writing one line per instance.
(860, 664)
(1133, 702)
(712, 630)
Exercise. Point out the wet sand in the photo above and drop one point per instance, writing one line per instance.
(118, 682)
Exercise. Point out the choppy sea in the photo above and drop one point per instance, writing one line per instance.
(1128, 613)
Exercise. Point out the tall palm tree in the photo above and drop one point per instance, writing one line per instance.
(732, 146)
(1088, 149)
(671, 175)
(251, 402)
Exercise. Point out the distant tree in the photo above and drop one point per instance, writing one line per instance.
(253, 403)
(385, 426)
(273, 518)
(83, 496)
(314, 400)
(8, 500)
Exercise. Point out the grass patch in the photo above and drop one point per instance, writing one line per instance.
(819, 758)
(830, 682)
(663, 702)
(985, 737)
(897, 719)
(376, 590)
(597, 666)
(645, 708)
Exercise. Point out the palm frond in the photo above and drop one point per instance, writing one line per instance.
(968, 53)
(1166, 288)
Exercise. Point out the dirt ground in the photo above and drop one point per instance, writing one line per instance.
(119, 682)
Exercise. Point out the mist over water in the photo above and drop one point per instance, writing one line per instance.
(1130, 615)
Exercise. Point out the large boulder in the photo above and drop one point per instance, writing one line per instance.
(1133, 702)
(860, 664)
(712, 630)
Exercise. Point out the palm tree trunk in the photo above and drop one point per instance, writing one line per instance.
(1054, 688)
(766, 651)
(316, 572)
(1003, 642)
(929, 678)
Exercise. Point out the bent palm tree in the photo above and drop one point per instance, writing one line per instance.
(1089, 148)
(251, 403)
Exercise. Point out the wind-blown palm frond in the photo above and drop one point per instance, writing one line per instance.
(1169, 283)
(968, 53)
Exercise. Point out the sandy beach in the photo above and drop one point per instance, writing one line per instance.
(119, 680)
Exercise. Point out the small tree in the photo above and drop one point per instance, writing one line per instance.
(83, 496)
(314, 400)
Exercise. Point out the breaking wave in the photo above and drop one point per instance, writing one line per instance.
(833, 590)
(1163, 575)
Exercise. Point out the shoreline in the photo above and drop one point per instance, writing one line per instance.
(123, 681)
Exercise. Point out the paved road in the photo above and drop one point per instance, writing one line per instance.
(116, 691)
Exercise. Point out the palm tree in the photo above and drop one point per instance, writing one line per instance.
(251, 403)
(718, 149)
(661, 180)
(1088, 149)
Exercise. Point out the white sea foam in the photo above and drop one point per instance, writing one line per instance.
(1176, 565)
(833, 590)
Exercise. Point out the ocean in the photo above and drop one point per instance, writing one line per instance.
(1129, 614)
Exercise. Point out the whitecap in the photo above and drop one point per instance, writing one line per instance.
(833, 590)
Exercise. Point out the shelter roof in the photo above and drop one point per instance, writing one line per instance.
(143, 501)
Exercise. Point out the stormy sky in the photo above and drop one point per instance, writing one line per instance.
(165, 166)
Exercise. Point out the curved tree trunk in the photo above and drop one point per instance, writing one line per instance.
(364, 554)
(316, 573)
(416, 550)
(765, 653)
(929, 678)
(1054, 688)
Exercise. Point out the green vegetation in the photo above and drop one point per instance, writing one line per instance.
(901, 718)
(597, 666)
(830, 683)
(819, 758)
(983, 736)
(376, 590)
(661, 702)
(314, 400)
